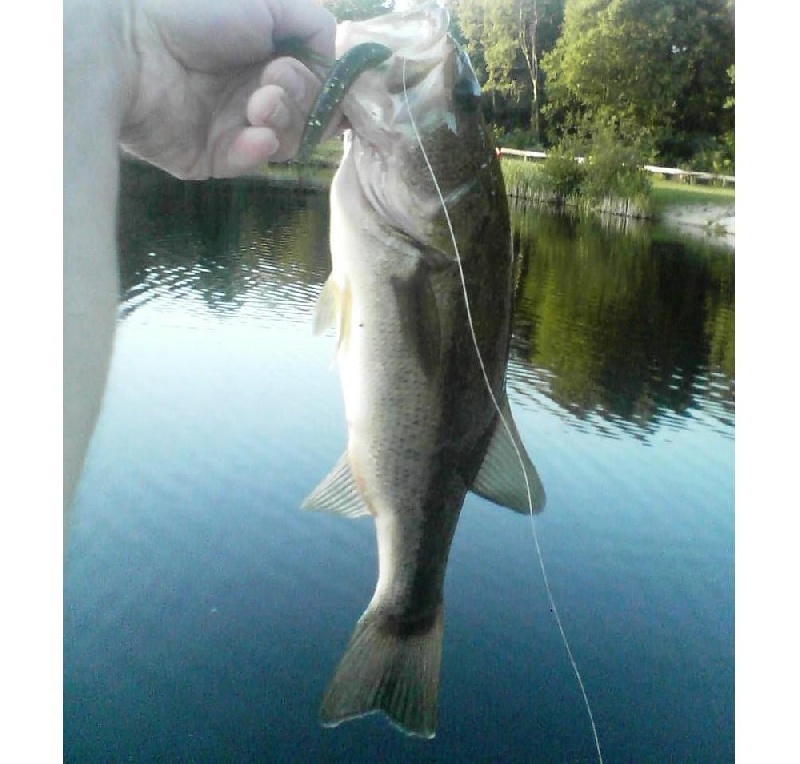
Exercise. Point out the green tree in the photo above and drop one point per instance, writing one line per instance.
(654, 67)
(729, 137)
(506, 40)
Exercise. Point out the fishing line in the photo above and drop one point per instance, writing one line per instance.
(488, 384)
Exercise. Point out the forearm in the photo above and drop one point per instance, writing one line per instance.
(94, 98)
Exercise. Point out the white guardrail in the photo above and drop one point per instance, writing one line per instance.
(671, 172)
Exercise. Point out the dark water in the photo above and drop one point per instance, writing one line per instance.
(205, 612)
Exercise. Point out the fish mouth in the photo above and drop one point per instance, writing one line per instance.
(415, 77)
(423, 96)
(343, 74)
(414, 40)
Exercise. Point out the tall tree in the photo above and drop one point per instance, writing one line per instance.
(506, 40)
(646, 66)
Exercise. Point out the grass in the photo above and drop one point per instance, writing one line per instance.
(523, 179)
(670, 193)
(566, 184)
(316, 173)
(328, 153)
(526, 179)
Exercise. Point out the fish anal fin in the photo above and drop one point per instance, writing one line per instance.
(390, 671)
(500, 478)
(337, 493)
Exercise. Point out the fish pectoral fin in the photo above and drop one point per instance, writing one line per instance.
(416, 300)
(337, 493)
(500, 478)
(333, 309)
(389, 670)
(326, 310)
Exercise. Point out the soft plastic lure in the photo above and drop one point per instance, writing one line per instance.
(342, 75)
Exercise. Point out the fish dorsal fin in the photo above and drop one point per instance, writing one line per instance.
(333, 310)
(500, 477)
(337, 493)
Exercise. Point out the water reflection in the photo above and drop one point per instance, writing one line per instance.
(233, 248)
(622, 332)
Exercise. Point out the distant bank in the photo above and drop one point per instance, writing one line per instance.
(714, 222)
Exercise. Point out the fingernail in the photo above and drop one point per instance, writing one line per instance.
(250, 148)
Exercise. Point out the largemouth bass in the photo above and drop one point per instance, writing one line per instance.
(423, 427)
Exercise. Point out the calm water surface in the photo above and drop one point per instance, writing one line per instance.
(205, 612)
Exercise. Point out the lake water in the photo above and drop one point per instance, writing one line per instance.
(205, 611)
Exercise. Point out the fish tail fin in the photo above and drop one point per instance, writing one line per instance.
(387, 669)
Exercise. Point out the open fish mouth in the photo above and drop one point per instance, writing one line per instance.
(340, 79)
(424, 94)
(387, 65)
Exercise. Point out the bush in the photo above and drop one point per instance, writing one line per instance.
(714, 155)
(518, 139)
(613, 169)
(562, 174)
(609, 178)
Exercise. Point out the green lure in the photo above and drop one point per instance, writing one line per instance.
(342, 75)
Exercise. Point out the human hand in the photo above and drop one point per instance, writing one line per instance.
(207, 97)
(193, 86)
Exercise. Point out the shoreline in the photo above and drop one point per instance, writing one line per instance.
(711, 222)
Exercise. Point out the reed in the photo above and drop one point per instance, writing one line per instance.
(531, 183)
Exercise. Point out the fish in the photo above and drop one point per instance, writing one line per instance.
(421, 354)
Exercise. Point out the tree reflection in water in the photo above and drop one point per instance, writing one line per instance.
(619, 329)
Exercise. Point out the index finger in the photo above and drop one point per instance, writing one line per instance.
(308, 21)
(210, 36)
